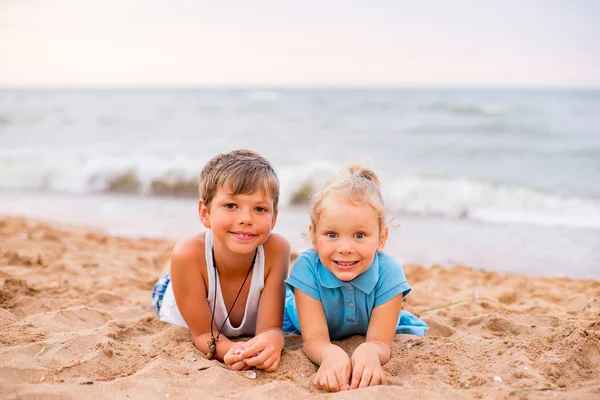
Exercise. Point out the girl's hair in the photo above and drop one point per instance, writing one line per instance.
(356, 185)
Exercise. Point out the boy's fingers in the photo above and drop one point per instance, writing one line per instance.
(248, 343)
(258, 360)
(366, 378)
(254, 348)
(238, 366)
(274, 366)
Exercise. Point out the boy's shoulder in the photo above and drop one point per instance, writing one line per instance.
(276, 244)
(190, 248)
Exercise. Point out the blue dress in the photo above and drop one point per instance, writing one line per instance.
(348, 305)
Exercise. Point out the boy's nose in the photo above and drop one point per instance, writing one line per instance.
(244, 218)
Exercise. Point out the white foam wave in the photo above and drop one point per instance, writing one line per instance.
(410, 194)
(463, 198)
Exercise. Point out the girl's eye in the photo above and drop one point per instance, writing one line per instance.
(359, 235)
(331, 235)
(230, 206)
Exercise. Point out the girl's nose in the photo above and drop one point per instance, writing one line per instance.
(345, 247)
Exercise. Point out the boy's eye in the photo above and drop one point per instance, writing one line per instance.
(230, 206)
(359, 235)
(261, 209)
(331, 235)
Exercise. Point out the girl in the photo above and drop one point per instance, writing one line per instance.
(346, 286)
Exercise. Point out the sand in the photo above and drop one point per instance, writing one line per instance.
(76, 321)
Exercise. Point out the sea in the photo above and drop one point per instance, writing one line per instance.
(504, 180)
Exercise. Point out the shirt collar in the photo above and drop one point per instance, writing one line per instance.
(365, 282)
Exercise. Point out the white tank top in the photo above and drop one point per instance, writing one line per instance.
(169, 312)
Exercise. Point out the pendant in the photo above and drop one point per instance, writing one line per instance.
(212, 348)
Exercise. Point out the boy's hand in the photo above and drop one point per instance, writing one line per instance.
(234, 358)
(334, 373)
(366, 368)
(264, 350)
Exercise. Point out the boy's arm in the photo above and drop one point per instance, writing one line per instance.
(272, 298)
(190, 293)
(264, 350)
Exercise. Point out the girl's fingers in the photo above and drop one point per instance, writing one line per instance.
(366, 378)
(342, 380)
(376, 379)
(323, 382)
(356, 375)
(332, 383)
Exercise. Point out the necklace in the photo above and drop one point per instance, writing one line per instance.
(212, 343)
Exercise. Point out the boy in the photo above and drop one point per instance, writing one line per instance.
(229, 281)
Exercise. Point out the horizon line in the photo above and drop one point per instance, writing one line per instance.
(299, 87)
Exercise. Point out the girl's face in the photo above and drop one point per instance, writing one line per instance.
(347, 237)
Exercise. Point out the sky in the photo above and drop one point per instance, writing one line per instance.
(166, 43)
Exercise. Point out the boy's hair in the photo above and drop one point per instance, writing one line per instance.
(356, 185)
(241, 171)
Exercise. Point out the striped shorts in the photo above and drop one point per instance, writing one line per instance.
(158, 291)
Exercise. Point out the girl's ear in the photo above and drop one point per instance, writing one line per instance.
(313, 239)
(383, 236)
(203, 214)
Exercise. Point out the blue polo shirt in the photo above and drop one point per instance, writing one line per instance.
(348, 305)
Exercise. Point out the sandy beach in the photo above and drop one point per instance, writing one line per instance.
(76, 321)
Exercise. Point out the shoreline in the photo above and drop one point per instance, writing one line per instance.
(504, 248)
(77, 321)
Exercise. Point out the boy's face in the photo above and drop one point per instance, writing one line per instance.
(347, 237)
(242, 222)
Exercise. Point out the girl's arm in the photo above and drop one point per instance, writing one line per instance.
(187, 263)
(264, 350)
(368, 358)
(334, 371)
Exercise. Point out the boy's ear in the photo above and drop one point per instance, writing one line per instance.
(313, 239)
(275, 214)
(203, 214)
(383, 236)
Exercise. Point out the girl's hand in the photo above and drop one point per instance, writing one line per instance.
(234, 358)
(264, 350)
(366, 368)
(334, 373)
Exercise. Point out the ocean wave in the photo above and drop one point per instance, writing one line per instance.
(484, 109)
(405, 194)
